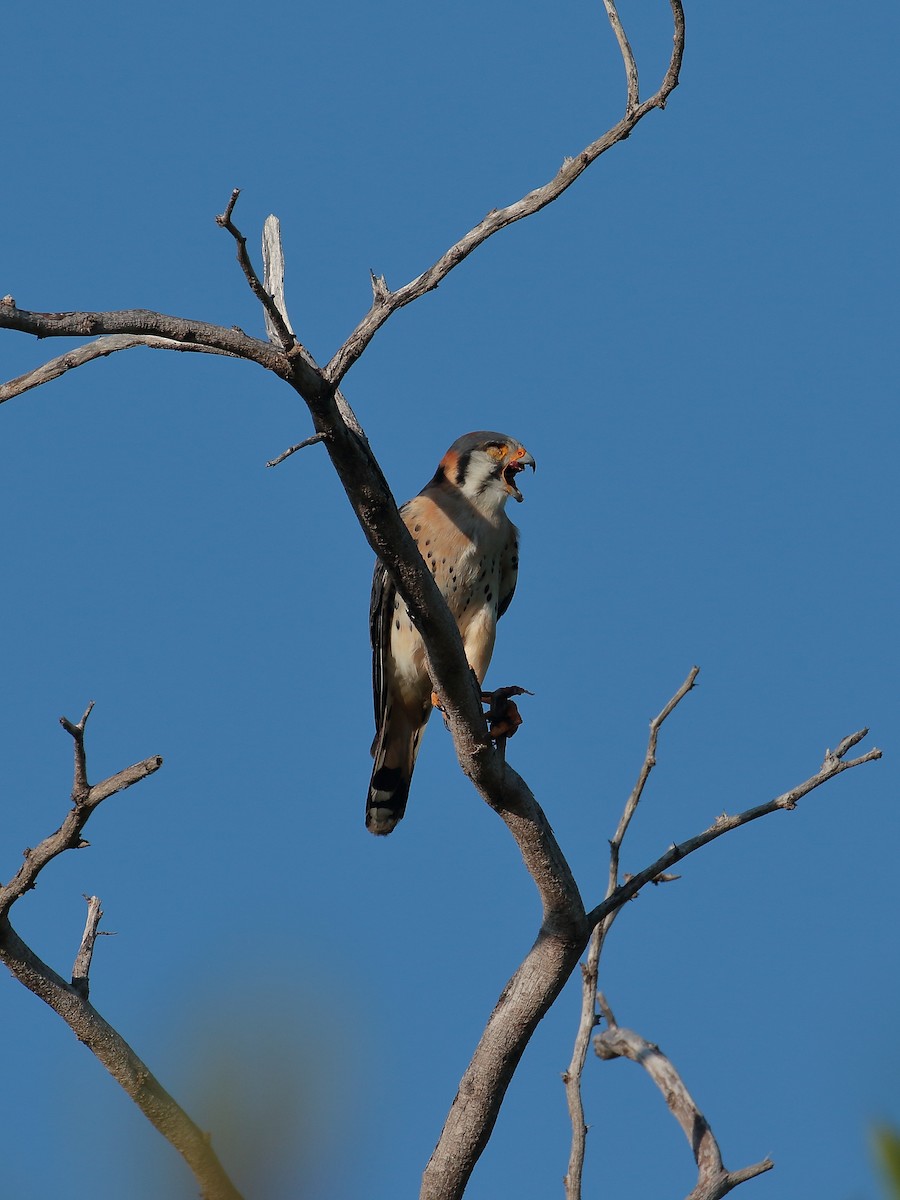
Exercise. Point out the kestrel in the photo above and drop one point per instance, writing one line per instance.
(459, 524)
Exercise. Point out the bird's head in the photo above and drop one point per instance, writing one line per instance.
(484, 466)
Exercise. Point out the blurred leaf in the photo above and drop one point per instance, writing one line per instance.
(887, 1149)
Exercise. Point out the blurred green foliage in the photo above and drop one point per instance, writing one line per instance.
(887, 1149)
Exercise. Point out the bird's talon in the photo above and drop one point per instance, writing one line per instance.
(503, 715)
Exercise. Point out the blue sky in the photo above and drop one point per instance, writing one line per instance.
(698, 345)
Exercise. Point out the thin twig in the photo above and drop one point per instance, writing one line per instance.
(591, 967)
(572, 1077)
(82, 967)
(274, 318)
(80, 785)
(100, 348)
(631, 71)
(310, 441)
(713, 1180)
(643, 775)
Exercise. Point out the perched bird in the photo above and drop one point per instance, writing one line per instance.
(472, 547)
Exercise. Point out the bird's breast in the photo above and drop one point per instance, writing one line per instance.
(463, 551)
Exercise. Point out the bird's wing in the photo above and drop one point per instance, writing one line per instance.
(509, 570)
(380, 610)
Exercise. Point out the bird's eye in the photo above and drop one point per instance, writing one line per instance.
(497, 452)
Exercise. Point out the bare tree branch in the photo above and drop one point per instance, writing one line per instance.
(561, 941)
(284, 335)
(310, 441)
(304, 375)
(101, 348)
(646, 767)
(70, 1000)
(385, 302)
(273, 276)
(713, 1180)
(80, 785)
(631, 71)
(82, 967)
(522, 1003)
(121, 1061)
(590, 969)
(85, 798)
(195, 336)
(273, 281)
(832, 766)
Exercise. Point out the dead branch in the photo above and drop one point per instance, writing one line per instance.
(308, 378)
(561, 940)
(273, 276)
(273, 282)
(834, 764)
(190, 334)
(644, 774)
(631, 71)
(310, 441)
(386, 302)
(85, 799)
(80, 785)
(713, 1180)
(82, 967)
(70, 1000)
(101, 348)
(270, 294)
(275, 320)
(591, 968)
(121, 1061)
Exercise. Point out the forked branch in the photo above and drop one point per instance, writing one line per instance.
(275, 320)
(286, 356)
(386, 302)
(601, 918)
(834, 764)
(85, 799)
(70, 1000)
(591, 967)
(713, 1180)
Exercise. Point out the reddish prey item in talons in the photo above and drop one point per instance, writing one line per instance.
(503, 713)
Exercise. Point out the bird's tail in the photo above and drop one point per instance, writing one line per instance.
(394, 751)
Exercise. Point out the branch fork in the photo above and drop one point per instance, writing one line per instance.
(85, 799)
(70, 999)
(713, 1180)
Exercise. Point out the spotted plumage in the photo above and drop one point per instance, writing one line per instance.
(463, 533)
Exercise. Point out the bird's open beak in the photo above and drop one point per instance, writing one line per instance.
(518, 462)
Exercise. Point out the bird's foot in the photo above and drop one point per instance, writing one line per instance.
(503, 716)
